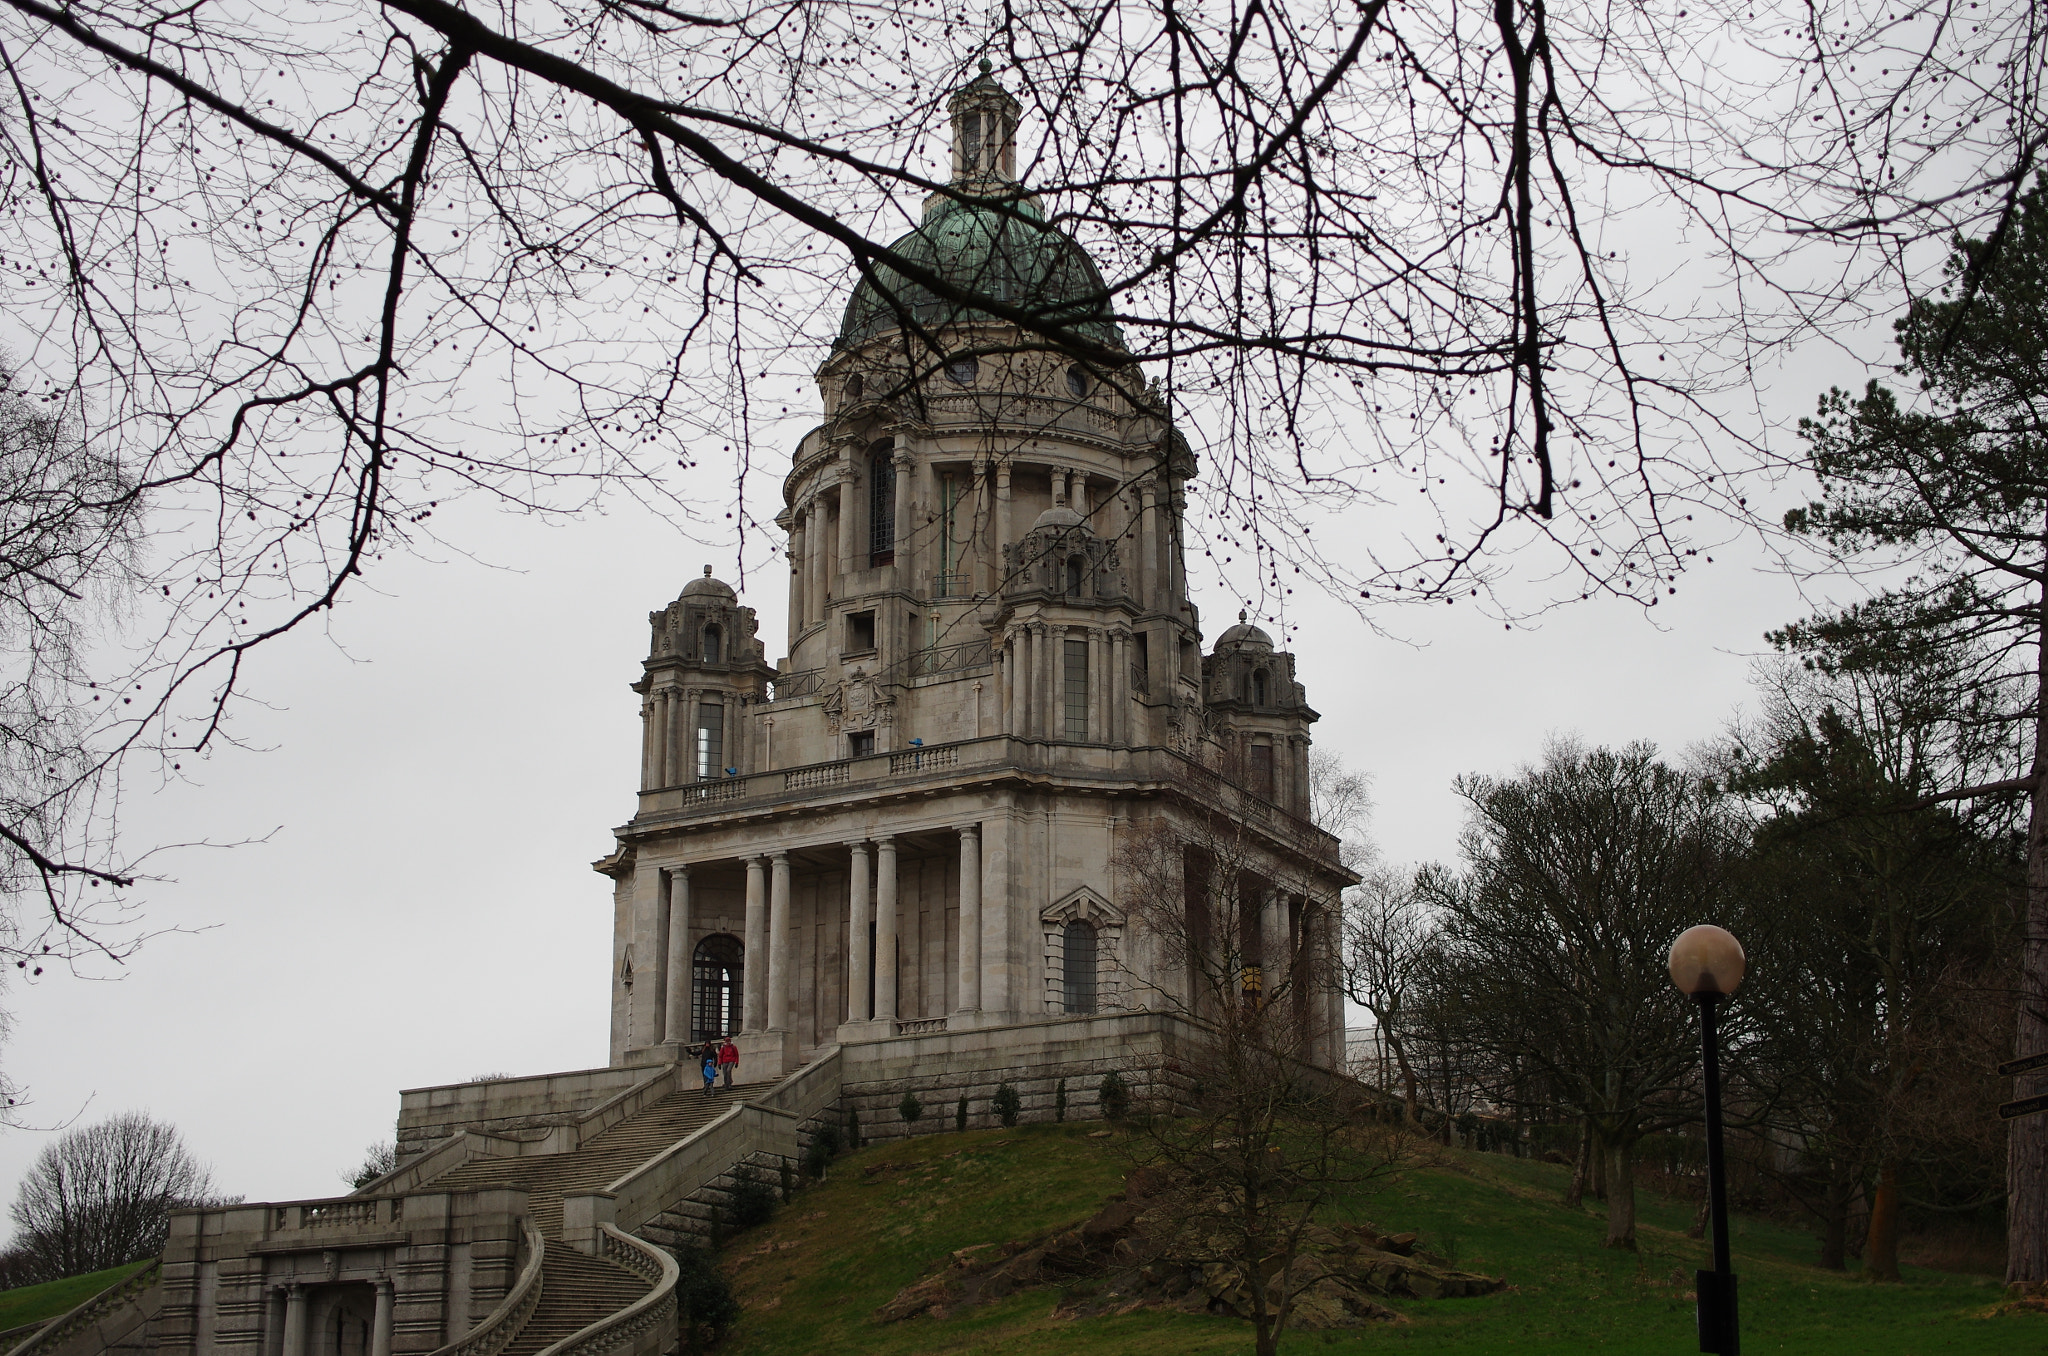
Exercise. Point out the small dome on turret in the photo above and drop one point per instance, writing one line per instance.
(708, 588)
(1059, 515)
(1244, 636)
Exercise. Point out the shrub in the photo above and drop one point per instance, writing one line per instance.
(910, 1109)
(853, 1126)
(960, 1114)
(705, 1307)
(1059, 1101)
(749, 1200)
(788, 1177)
(1005, 1104)
(1113, 1097)
(816, 1156)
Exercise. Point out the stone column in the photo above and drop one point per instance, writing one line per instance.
(1051, 653)
(780, 951)
(1006, 654)
(859, 914)
(979, 532)
(1077, 493)
(295, 1321)
(380, 1324)
(997, 837)
(679, 955)
(1002, 520)
(969, 960)
(1098, 686)
(1272, 939)
(1148, 545)
(799, 603)
(754, 970)
(273, 1322)
(885, 930)
(672, 757)
(1119, 686)
(848, 561)
(817, 559)
(647, 745)
(902, 527)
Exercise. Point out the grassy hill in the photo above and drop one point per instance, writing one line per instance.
(812, 1279)
(34, 1303)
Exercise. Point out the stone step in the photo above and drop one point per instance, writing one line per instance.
(576, 1291)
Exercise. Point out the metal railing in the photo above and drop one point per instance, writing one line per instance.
(972, 654)
(952, 585)
(790, 686)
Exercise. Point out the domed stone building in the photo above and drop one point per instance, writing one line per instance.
(896, 861)
(910, 827)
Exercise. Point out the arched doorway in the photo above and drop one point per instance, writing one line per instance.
(717, 1000)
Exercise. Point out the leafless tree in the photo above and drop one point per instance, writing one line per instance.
(1387, 932)
(102, 1195)
(1255, 1132)
(1579, 872)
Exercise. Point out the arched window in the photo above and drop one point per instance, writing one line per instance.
(1259, 688)
(1075, 568)
(1079, 978)
(717, 1001)
(855, 386)
(711, 641)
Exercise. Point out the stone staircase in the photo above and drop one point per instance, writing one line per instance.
(576, 1291)
(604, 1159)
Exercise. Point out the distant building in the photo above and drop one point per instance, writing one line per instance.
(886, 864)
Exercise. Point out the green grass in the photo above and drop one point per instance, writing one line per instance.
(812, 1279)
(34, 1303)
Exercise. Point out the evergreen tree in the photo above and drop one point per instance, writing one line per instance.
(1951, 483)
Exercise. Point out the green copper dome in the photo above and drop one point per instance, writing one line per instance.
(1007, 252)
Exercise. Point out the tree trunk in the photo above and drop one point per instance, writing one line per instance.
(1834, 1219)
(1598, 1183)
(1410, 1093)
(2026, 1167)
(1575, 1194)
(1621, 1196)
(1881, 1248)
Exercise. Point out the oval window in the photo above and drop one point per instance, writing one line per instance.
(963, 371)
(1077, 382)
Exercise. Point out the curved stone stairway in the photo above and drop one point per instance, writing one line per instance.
(577, 1289)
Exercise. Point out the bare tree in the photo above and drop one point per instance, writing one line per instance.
(1256, 1132)
(102, 1195)
(1579, 871)
(1388, 933)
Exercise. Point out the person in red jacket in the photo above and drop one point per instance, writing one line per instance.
(728, 1059)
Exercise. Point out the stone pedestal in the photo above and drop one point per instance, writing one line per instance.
(583, 1217)
(849, 1032)
(764, 1055)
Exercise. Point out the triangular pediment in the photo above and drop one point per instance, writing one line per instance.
(1084, 904)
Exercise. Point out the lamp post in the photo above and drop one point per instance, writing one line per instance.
(1707, 963)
